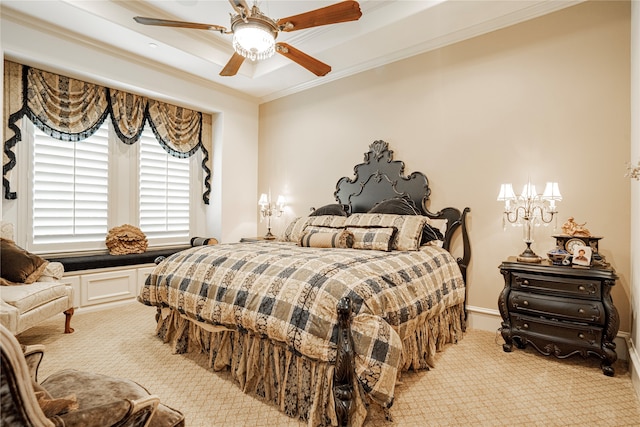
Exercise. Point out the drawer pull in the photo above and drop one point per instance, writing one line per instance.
(581, 335)
(581, 311)
(525, 302)
(525, 282)
(525, 326)
(582, 288)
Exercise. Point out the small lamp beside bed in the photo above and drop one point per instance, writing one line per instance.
(267, 210)
(529, 209)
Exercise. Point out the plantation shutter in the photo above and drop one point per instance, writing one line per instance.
(70, 183)
(164, 191)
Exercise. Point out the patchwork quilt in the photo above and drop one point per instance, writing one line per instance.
(289, 294)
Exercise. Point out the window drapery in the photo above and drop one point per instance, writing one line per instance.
(71, 110)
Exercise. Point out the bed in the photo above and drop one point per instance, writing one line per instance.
(322, 321)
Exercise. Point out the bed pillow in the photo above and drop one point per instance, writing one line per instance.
(434, 231)
(19, 266)
(332, 209)
(397, 206)
(409, 234)
(337, 238)
(373, 238)
(294, 230)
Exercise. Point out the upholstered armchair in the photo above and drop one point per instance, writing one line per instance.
(72, 398)
(30, 287)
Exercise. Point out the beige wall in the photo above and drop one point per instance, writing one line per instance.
(546, 100)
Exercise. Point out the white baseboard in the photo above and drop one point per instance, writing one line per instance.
(486, 319)
(634, 366)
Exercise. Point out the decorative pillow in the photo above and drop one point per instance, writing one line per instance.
(294, 230)
(126, 239)
(430, 234)
(373, 238)
(434, 231)
(409, 227)
(332, 209)
(318, 239)
(203, 241)
(19, 266)
(397, 206)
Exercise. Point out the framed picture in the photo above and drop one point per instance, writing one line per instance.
(582, 255)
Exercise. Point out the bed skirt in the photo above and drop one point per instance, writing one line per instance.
(298, 386)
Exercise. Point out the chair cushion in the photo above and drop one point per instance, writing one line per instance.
(95, 390)
(28, 297)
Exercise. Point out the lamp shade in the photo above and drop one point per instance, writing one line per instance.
(506, 193)
(280, 202)
(552, 192)
(264, 200)
(529, 191)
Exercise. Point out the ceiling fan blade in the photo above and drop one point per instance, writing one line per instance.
(344, 11)
(179, 24)
(316, 67)
(232, 67)
(241, 7)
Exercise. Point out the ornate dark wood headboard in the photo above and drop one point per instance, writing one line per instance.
(381, 178)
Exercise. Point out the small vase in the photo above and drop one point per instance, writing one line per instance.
(558, 255)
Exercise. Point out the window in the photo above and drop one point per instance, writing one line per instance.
(70, 189)
(79, 190)
(164, 191)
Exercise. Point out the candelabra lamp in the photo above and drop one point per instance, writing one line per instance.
(267, 210)
(528, 210)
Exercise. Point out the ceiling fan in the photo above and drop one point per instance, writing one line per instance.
(254, 33)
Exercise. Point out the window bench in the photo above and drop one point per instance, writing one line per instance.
(92, 262)
(100, 281)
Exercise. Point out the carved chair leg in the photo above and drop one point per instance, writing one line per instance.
(67, 321)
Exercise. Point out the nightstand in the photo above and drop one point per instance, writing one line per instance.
(559, 310)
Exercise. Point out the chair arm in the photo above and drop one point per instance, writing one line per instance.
(33, 354)
(9, 316)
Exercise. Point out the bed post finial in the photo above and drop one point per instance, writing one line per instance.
(343, 374)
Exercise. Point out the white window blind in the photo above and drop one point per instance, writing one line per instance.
(164, 192)
(70, 185)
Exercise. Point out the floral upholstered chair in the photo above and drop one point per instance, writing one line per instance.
(72, 398)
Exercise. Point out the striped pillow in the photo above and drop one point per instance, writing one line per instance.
(296, 227)
(373, 238)
(409, 227)
(337, 239)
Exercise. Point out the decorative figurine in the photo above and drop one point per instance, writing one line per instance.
(572, 228)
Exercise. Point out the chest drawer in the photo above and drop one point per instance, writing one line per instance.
(556, 285)
(578, 335)
(585, 311)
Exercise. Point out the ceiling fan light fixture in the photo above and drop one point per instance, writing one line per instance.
(254, 40)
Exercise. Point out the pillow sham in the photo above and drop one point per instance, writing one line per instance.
(430, 234)
(373, 238)
(339, 238)
(331, 209)
(409, 227)
(434, 231)
(397, 206)
(296, 227)
(19, 266)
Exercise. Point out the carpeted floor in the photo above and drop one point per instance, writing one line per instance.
(474, 382)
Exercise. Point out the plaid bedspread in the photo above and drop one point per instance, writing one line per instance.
(289, 294)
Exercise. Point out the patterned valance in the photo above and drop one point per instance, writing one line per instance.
(72, 110)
